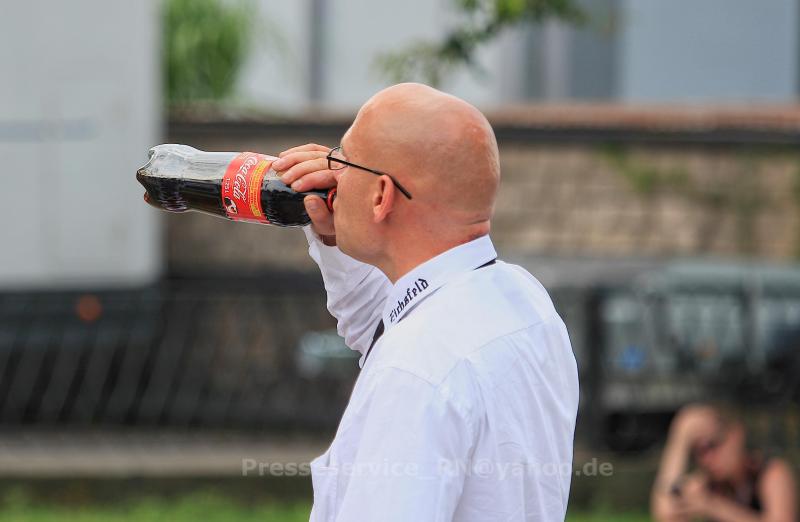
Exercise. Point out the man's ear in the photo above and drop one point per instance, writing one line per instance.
(383, 199)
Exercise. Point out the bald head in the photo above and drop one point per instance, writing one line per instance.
(441, 148)
(438, 147)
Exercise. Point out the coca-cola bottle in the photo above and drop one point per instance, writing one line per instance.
(236, 185)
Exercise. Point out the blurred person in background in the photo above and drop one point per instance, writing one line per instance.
(731, 483)
(466, 402)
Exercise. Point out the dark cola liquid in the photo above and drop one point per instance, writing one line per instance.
(198, 187)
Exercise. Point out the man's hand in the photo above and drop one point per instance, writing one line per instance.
(306, 168)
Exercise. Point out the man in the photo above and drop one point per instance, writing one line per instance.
(465, 405)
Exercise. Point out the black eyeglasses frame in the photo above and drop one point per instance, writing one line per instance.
(331, 159)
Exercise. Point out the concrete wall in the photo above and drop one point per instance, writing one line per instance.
(79, 107)
(570, 199)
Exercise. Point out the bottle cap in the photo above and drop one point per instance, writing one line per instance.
(330, 198)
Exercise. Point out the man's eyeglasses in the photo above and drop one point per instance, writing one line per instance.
(336, 161)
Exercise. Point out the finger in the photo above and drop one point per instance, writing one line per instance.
(321, 217)
(322, 179)
(290, 160)
(299, 170)
(304, 148)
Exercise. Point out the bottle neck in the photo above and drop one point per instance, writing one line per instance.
(327, 196)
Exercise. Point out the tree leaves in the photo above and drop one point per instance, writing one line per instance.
(483, 20)
(205, 44)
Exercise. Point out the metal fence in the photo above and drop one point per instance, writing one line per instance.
(262, 352)
(189, 352)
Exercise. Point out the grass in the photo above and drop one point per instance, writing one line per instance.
(209, 507)
(607, 517)
(191, 507)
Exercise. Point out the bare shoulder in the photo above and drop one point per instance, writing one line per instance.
(777, 482)
(778, 491)
(777, 469)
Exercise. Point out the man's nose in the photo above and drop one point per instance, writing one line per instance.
(337, 176)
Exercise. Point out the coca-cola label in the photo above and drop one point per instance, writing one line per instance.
(241, 186)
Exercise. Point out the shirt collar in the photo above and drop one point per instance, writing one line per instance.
(431, 275)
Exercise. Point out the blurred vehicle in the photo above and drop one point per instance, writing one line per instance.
(324, 353)
(651, 336)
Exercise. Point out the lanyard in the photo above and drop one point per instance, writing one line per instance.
(381, 327)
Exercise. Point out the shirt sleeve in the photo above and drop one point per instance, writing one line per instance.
(412, 454)
(356, 291)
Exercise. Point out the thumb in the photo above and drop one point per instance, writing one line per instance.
(321, 217)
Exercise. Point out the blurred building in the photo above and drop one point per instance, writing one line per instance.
(233, 331)
(322, 52)
(80, 104)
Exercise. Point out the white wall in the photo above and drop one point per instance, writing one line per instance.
(78, 110)
(662, 51)
(354, 33)
(709, 50)
(275, 74)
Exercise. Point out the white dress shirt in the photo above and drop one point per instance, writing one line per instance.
(464, 409)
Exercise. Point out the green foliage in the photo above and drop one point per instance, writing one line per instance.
(646, 179)
(796, 185)
(741, 196)
(205, 44)
(483, 21)
(796, 199)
